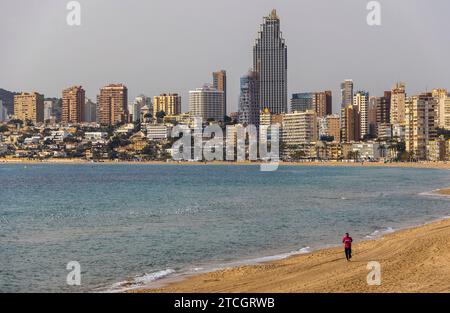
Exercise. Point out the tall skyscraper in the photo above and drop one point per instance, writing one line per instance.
(29, 107)
(361, 102)
(220, 83)
(73, 100)
(112, 104)
(398, 97)
(320, 102)
(167, 103)
(249, 100)
(346, 93)
(207, 103)
(270, 61)
(420, 126)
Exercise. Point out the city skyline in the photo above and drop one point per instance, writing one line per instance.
(305, 74)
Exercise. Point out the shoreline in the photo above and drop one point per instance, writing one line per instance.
(270, 275)
(425, 165)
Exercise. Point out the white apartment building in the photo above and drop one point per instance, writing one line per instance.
(299, 128)
(207, 103)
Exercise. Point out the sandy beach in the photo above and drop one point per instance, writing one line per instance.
(430, 165)
(412, 260)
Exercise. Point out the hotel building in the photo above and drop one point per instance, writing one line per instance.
(206, 103)
(270, 61)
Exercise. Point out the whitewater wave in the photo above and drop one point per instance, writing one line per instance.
(139, 281)
(380, 232)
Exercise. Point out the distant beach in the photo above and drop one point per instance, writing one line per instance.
(432, 165)
(412, 260)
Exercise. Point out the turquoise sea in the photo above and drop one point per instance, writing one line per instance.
(133, 225)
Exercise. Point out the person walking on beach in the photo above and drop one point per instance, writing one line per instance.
(347, 241)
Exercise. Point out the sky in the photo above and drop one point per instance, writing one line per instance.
(161, 46)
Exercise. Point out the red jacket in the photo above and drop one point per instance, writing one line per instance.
(347, 241)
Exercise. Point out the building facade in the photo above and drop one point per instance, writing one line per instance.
(29, 106)
(329, 126)
(346, 93)
(320, 102)
(420, 126)
(299, 128)
(270, 61)
(350, 124)
(112, 104)
(361, 102)
(398, 109)
(73, 101)
(169, 103)
(206, 103)
(249, 100)
(220, 83)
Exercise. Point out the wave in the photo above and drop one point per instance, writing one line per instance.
(139, 281)
(380, 232)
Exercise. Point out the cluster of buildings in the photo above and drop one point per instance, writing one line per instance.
(394, 126)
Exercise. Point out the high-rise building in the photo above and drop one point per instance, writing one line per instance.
(170, 104)
(134, 108)
(48, 109)
(350, 124)
(29, 107)
(420, 127)
(346, 93)
(299, 128)
(3, 112)
(73, 101)
(398, 97)
(441, 96)
(329, 126)
(112, 104)
(361, 102)
(220, 83)
(206, 103)
(447, 114)
(90, 111)
(320, 102)
(270, 61)
(249, 100)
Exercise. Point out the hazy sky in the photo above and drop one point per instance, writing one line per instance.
(156, 46)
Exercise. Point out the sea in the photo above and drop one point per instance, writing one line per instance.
(128, 226)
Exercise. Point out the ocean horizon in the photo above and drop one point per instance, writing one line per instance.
(131, 225)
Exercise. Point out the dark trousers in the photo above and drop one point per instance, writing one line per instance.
(348, 253)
